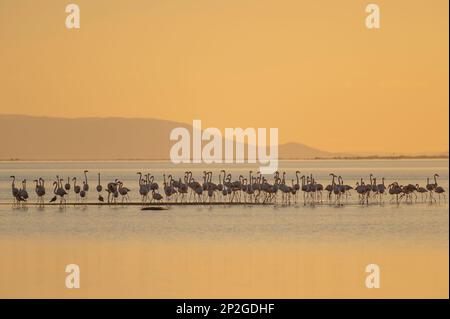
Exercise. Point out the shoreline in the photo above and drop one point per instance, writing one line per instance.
(337, 158)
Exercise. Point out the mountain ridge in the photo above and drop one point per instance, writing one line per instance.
(26, 137)
(102, 138)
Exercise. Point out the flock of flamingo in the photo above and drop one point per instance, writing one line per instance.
(254, 189)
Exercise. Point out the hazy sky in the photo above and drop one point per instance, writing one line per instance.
(310, 68)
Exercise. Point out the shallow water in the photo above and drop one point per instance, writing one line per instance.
(408, 223)
(243, 251)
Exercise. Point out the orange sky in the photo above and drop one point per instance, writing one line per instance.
(310, 68)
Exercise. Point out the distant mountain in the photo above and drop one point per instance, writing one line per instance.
(45, 138)
(48, 138)
(296, 151)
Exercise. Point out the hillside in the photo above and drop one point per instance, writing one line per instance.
(45, 138)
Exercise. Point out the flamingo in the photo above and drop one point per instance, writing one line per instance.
(76, 188)
(40, 191)
(156, 196)
(85, 184)
(422, 191)
(168, 187)
(55, 187)
(14, 189)
(61, 192)
(99, 189)
(329, 188)
(58, 190)
(83, 192)
(438, 189)
(361, 190)
(430, 188)
(395, 189)
(143, 187)
(111, 188)
(123, 191)
(67, 186)
(23, 194)
(99, 185)
(381, 188)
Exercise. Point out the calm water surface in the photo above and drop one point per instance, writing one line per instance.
(418, 224)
